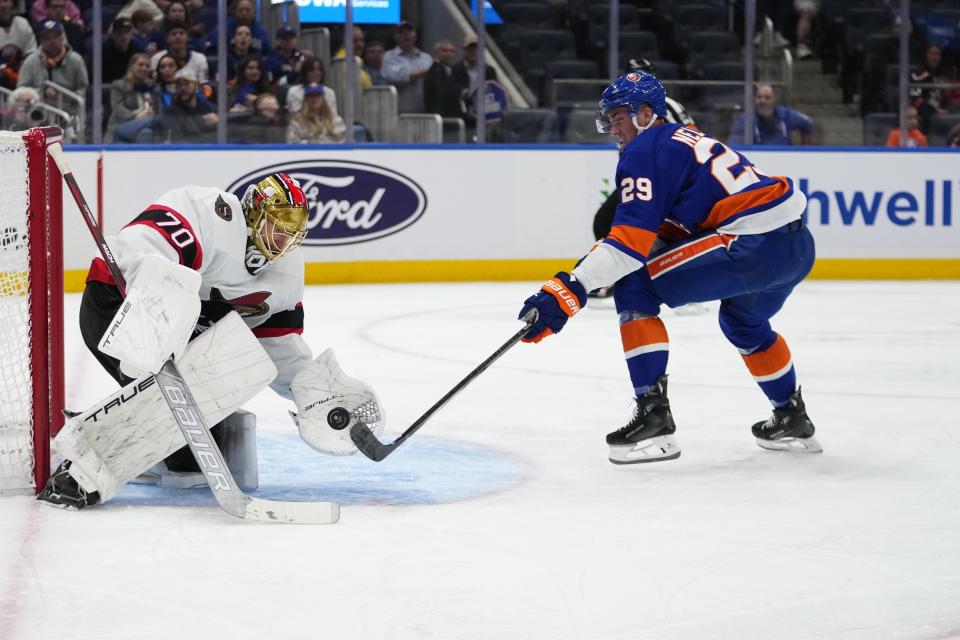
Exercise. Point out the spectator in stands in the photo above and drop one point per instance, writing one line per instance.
(315, 122)
(191, 118)
(15, 30)
(915, 137)
(145, 32)
(241, 47)
(165, 83)
(75, 33)
(118, 50)
(39, 12)
(131, 103)
(267, 124)
(286, 60)
(467, 71)
(404, 66)
(773, 124)
(179, 11)
(11, 59)
(178, 34)
(312, 72)
(931, 101)
(24, 110)
(373, 62)
(55, 61)
(251, 81)
(496, 100)
(442, 93)
(244, 12)
(130, 7)
(359, 50)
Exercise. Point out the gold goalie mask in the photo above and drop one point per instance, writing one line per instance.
(276, 213)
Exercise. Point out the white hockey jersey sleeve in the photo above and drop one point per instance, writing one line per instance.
(290, 354)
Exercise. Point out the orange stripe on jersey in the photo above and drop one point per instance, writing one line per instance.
(635, 238)
(739, 202)
(774, 359)
(642, 334)
(685, 252)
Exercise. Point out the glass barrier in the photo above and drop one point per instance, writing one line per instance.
(832, 72)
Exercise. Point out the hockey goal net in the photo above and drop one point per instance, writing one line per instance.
(31, 307)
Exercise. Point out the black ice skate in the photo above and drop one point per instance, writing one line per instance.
(63, 491)
(648, 437)
(788, 429)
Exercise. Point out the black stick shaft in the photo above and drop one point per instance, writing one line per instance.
(483, 366)
(367, 442)
(94, 228)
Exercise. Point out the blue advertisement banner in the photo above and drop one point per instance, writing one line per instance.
(364, 11)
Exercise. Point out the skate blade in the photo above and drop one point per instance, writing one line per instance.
(652, 450)
(58, 505)
(794, 445)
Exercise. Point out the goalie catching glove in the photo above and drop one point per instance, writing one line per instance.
(156, 319)
(558, 299)
(330, 403)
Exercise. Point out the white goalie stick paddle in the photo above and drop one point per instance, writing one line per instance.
(367, 441)
(191, 422)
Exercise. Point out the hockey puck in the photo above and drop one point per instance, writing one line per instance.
(338, 418)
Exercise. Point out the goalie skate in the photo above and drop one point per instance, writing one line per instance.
(788, 429)
(648, 436)
(62, 491)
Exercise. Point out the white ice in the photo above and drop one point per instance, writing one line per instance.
(502, 518)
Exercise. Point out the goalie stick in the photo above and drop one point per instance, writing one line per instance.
(191, 422)
(367, 441)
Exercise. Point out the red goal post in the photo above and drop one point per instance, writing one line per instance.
(31, 307)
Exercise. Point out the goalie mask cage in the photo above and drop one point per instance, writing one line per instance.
(31, 307)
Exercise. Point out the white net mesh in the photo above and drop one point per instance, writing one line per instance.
(16, 392)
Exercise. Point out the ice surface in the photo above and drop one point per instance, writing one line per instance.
(502, 518)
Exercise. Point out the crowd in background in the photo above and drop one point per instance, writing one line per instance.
(156, 61)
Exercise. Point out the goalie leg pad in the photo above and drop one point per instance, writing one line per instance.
(330, 402)
(237, 438)
(133, 429)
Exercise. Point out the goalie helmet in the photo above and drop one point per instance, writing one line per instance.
(276, 212)
(632, 91)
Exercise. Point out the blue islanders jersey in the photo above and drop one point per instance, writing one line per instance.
(672, 177)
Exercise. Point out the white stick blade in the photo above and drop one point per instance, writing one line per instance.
(292, 512)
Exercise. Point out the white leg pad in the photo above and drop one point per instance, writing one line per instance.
(133, 429)
(239, 448)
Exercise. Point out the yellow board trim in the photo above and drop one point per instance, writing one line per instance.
(886, 269)
(516, 270)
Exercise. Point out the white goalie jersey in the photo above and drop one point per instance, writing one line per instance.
(204, 229)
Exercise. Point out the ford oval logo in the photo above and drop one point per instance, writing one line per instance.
(349, 202)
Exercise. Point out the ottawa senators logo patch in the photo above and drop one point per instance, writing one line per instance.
(223, 209)
(248, 306)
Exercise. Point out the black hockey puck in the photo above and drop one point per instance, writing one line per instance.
(338, 418)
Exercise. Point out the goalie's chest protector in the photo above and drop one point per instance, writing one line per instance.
(233, 272)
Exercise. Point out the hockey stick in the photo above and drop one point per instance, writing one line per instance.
(371, 447)
(191, 422)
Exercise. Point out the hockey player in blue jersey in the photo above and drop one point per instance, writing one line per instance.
(696, 221)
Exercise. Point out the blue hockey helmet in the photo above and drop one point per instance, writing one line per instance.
(632, 91)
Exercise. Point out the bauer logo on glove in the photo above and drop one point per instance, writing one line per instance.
(558, 299)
